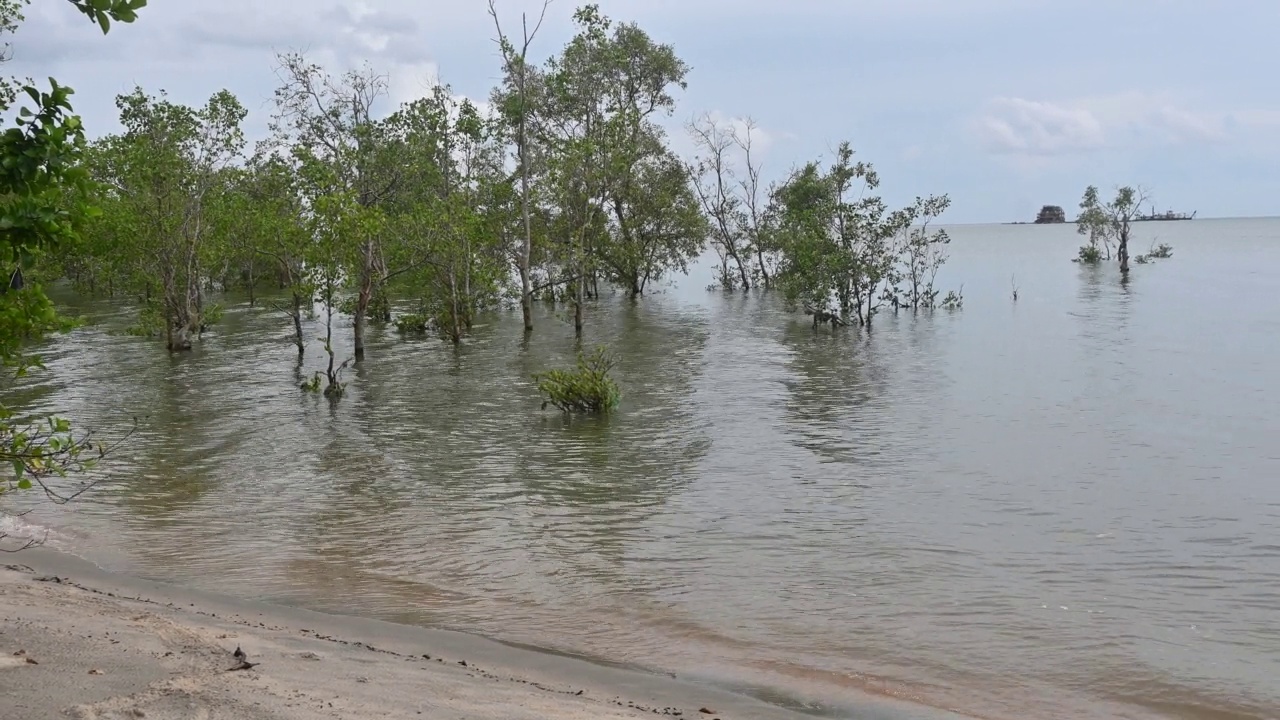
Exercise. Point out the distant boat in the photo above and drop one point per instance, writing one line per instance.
(1167, 215)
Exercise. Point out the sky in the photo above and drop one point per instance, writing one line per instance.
(1005, 105)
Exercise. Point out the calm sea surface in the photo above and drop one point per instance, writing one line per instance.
(1067, 506)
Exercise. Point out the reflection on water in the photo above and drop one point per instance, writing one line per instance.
(1063, 506)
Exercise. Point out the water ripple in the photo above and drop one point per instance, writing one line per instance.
(1064, 507)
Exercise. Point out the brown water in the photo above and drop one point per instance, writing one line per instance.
(1063, 507)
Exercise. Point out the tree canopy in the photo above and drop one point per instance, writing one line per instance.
(433, 213)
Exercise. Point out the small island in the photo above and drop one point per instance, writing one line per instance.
(1051, 214)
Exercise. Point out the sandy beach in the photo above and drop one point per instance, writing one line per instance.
(78, 642)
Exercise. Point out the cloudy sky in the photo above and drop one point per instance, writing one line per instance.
(1004, 104)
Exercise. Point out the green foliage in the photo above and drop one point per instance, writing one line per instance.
(843, 252)
(1108, 224)
(921, 254)
(45, 199)
(347, 305)
(344, 157)
(1090, 254)
(413, 323)
(657, 224)
(1157, 252)
(454, 212)
(150, 322)
(335, 388)
(104, 11)
(954, 299)
(313, 385)
(26, 315)
(169, 186)
(212, 315)
(620, 203)
(39, 451)
(585, 389)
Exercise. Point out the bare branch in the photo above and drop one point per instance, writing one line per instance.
(27, 543)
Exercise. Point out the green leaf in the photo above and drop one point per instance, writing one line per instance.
(24, 484)
(18, 468)
(105, 23)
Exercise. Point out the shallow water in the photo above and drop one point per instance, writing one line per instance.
(1063, 506)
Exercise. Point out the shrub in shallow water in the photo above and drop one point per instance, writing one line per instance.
(413, 323)
(955, 299)
(1089, 254)
(585, 389)
(1157, 252)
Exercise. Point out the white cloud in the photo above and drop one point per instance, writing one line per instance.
(789, 64)
(1014, 126)
(1146, 118)
(409, 81)
(1265, 119)
(1029, 128)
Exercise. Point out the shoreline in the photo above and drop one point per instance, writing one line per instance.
(111, 646)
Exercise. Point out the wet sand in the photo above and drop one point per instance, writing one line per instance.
(78, 642)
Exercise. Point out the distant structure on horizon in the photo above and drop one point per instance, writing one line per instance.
(1051, 214)
(1167, 215)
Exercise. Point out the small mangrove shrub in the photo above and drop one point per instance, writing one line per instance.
(333, 389)
(413, 323)
(212, 315)
(379, 308)
(150, 322)
(585, 389)
(1157, 252)
(1089, 255)
(313, 385)
(954, 299)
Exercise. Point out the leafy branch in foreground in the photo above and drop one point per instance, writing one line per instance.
(43, 452)
(585, 389)
(104, 11)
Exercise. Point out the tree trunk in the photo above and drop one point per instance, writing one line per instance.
(1124, 250)
(764, 272)
(297, 325)
(363, 297)
(526, 297)
(180, 342)
(168, 328)
(526, 248)
(328, 348)
(455, 333)
(358, 325)
(579, 291)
